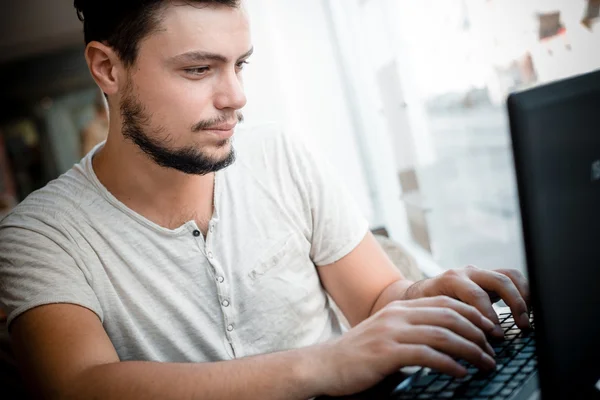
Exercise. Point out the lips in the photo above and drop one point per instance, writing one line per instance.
(222, 127)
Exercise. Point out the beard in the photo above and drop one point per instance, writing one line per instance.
(189, 160)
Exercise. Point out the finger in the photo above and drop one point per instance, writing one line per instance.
(504, 286)
(448, 342)
(469, 292)
(452, 320)
(425, 356)
(466, 310)
(519, 280)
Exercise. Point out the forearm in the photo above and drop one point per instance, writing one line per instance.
(284, 375)
(395, 291)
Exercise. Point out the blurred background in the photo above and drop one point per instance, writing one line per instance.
(405, 98)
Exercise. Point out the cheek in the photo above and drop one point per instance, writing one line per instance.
(178, 102)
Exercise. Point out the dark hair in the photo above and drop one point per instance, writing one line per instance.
(122, 24)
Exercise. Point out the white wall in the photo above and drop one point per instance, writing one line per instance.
(294, 78)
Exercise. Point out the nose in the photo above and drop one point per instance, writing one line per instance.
(230, 93)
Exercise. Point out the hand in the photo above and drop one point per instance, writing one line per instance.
(475, 286)
(427, 332)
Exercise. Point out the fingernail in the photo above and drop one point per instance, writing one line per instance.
(490, 349)
(498, 331)
(525, 319)
(488, 361)
(487, 324)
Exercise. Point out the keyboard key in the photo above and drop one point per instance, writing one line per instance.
(513, 384)
(499, 348)
(425, 396)
(491, 389)
(464, 379)
(424, 381)
(520, 376)
(517, 363)
(509, 370)
(506, 392)
(445, 395)
(477, 384)
(529, 349)
(501, 378)
(523, 356)
(528, 368)
(437, 386)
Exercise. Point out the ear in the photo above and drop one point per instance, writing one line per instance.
(105, 66)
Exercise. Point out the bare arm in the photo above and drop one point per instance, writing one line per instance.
(366, 281)
(64, 352)
(357, 281)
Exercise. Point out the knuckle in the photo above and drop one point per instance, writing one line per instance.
(513, 272)
(473, 311)
(396, 304)
(502, 279)
(451, 273)
(449, 316)
(473, 349)
(480, 337)
(471, 268)
(380, 347)
(422, 353)
(439, 335)
(478, 294)
(387, 314)
(444, 301)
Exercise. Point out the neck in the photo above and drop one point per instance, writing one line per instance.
(165, 196)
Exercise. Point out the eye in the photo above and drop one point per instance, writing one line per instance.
(241, 64)
(197, 70)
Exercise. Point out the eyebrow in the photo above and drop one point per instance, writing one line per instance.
(202, 56)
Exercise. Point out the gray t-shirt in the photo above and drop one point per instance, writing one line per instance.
(170, 295)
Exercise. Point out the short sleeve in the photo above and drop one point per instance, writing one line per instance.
(338, 225)
(38, 266)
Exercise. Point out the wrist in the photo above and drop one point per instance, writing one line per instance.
(311, 371)
(415, 290)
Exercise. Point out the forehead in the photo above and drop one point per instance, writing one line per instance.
(198, 27)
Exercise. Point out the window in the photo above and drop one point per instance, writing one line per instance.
(435, 75)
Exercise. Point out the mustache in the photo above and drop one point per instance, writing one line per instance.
(209, 123)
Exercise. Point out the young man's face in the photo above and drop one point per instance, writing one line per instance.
(185, 90)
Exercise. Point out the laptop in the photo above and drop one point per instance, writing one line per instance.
(555, 133)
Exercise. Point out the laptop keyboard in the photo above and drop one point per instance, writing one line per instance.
(515, 363)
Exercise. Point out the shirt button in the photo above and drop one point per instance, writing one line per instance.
(225, 303)
(210, 255)
(196, 233)
(212, 228)
(220, 279)
(229, 328)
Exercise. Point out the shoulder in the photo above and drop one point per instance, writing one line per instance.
(60, 199)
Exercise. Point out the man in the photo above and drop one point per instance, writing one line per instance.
(150, 270)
